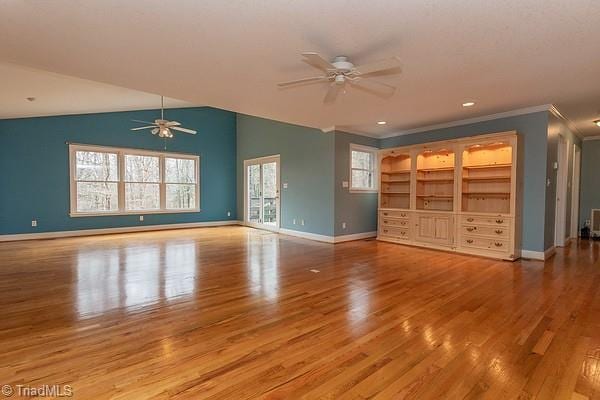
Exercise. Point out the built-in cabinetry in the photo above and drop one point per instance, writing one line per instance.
(458, 195)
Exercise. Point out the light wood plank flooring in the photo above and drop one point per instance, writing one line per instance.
(236, 313)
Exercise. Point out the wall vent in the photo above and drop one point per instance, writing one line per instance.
(595, 228)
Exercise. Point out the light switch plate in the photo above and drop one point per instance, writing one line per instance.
(345, 184)
(285, 185)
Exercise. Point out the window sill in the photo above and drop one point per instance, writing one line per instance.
(140, 212)
(364, 191)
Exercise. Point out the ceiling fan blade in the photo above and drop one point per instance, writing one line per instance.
(143, 127)
(379, 66)
(304, 80)
(176, 128)
(332, 93)
(172, 123)
(374, 87)
(142, 122)
(316, 60)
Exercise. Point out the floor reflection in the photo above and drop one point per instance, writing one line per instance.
(263, 265)
(134, 276)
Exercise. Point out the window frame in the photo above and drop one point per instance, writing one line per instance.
(121, 152)
(374, 152)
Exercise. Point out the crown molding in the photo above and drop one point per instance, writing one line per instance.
(567, 121)
(588, 138)
(490, 117)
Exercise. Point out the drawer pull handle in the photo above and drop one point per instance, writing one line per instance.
(470, 219)
(497, 244)
(499, 231)
(403, 215)
(385, 214)
(403, 233)
(469, 241)
(499, 221)
(385, 231)
(471, 229)
(385, 221)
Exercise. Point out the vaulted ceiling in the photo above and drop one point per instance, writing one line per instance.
(502, 54)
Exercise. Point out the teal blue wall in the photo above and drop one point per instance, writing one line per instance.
(34, 183)
(534, 130)
(307, 166)
(590, 179)
(357, 210)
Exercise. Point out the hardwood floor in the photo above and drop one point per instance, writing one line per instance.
(236, 313)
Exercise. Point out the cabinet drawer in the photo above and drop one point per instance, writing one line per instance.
(485, 220)
(485, 243)
(392, 222)
(499, 231)
(398, 233)
(393, 214)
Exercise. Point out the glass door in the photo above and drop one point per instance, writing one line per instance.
(262, 192)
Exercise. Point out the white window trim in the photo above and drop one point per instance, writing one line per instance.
(121, 151)
(374, 152)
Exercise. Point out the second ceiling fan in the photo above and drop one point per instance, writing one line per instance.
(341, 71)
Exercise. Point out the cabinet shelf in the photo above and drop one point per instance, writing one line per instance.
(396, 193)
(435, 196)
(486, 193)
(435, 180)
(395, 180)
(435, 169)
(396, 172)
(487, 166)
(486, 178)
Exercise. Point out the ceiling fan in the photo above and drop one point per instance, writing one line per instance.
(161, 126)
(341, 71)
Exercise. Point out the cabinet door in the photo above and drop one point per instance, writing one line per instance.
(435, 229)
(425, 228)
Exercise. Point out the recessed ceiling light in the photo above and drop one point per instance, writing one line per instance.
(597, 122)
(468, 104)
(381, 122)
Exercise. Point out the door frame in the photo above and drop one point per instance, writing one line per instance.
(263, 160)
(575, 187)
(560, 217)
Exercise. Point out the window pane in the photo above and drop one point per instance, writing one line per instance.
(142, 196)
(180, 170)
(361, 159)
(141, 168)
(181, 196)
(97, 197)
(362, 180)
(95, 166)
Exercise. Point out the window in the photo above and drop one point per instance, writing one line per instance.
(363, 176)
(106, 180)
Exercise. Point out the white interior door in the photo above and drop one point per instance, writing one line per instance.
(261, 197)
(561, 194)
(575, 191)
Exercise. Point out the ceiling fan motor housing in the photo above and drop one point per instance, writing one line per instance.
(342, 64)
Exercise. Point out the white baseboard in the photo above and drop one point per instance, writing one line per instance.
(538, 255)
(307, 235)
(327, 239)
(355, 236)
(105, 231)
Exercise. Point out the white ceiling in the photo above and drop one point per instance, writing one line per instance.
(58, 94)
(503, 54)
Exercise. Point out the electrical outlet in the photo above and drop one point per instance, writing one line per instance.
(343, 225)
(294, 221)
(229, 213)
(285, 185)
(302, 222)
(345, 184)
(34, 223)
(141, 218)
